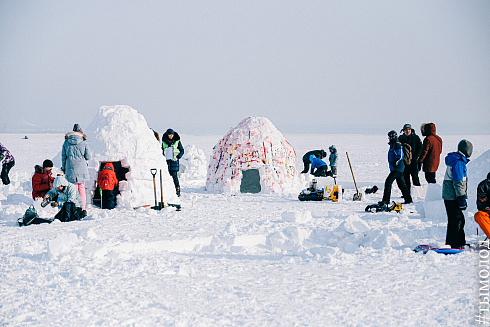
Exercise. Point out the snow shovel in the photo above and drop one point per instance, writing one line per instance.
(161, 204)
(153, 173)
(357, 196)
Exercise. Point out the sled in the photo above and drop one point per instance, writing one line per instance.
(426, 248)
(306, 195)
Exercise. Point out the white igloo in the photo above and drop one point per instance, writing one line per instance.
(254, 157)
(119, 134)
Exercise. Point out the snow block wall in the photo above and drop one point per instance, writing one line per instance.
(255, 143)
(120, 133)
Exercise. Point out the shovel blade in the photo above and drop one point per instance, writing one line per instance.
(357, 197)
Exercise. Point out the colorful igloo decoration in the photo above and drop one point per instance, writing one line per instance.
(253, 157)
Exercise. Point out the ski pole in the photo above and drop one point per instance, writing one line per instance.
(153, 173)
(100, 192)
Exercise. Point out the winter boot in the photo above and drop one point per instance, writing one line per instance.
(177, 191)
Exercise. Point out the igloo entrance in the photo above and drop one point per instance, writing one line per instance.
(120, 174)
(250, 181)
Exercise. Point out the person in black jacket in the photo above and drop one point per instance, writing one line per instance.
(320, 154)
(409, 137)
(173, 151)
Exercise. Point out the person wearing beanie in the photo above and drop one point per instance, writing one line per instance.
(75, 154)
(397, 166)
(482, 217)
(42, 180)
(454, 193)
(8, 163)
(320, 154)
(409, 137)
(430, 154)
(173, 150)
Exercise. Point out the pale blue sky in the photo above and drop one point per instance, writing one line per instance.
(202, 66)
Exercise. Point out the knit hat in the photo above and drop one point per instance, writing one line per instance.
(77, 128)
(169, 131)
(392, 135)
(465, 147)
(47, 163)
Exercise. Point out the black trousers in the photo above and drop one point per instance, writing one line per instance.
(430, 177)
(173, 173)
(69, 212)
(108, 199)
(322, 172)
(455, 224)
(398, 176)
(5, 172)
(411, 171)
(306, 163)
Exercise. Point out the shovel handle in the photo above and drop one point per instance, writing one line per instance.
(352, 172)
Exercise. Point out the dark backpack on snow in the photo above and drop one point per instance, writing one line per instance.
(32, 218)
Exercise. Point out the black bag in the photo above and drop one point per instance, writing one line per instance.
(32, 218)
(69, 212)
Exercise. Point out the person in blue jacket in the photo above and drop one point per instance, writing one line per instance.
(318, 167)
(173, 151)
(397, 166)
(74, 160)
(454, 193)
(66, 193)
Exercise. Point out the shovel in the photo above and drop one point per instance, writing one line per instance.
(357, 196)
(162, 204)
(153, 173)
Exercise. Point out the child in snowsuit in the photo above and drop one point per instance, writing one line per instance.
(483, 205)
(173, 151)
(332, 158)
(107, 182)
(42, 181)
(8, 163)
(397, 166)
(454, 190)
(67, 194)
(318, 167)
(306, 158)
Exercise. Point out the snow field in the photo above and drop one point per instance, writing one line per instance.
(253, 260)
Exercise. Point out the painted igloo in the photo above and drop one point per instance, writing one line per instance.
(120, 135)
(254, 157)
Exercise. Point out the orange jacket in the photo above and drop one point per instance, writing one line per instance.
(107, 178)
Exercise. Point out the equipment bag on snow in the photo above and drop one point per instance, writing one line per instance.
(32, 218)
(69, 212)
(383, 207)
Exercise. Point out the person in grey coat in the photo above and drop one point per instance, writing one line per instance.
(66, 193)
(74, 157)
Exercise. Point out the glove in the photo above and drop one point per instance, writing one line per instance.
(419, 166)
(462, 202)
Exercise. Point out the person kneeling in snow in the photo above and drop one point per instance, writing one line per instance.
(318, 167)
(107, 182)
(306, 158)
(68, 194)
(483, 204)
(454, 190)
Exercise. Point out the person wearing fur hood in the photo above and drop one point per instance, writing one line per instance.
(74, 160)
(430, 155)
(454, 193)
(42, 180)
(173, 150)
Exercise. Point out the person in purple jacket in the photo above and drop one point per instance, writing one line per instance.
(8, 163)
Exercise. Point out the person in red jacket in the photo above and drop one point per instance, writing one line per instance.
(430, 155)
(107, 183)
(42, 181)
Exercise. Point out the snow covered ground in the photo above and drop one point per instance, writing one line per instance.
(250, 259)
